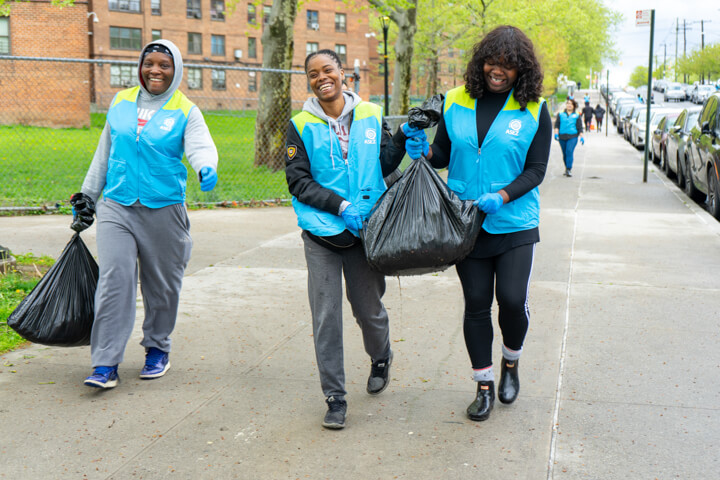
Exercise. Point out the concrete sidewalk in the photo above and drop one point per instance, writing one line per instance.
(620, 373)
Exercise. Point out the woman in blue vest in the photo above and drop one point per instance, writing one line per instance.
(143, 228)
(337, 156)
(568, 128)
(494, 138)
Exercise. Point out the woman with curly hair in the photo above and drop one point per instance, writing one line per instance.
(495, 138)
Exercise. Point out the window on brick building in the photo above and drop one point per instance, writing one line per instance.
(217, 45)
(156, 34)
(252, 47)
(218, 79)
(125, 38)
(310, 47)
(267, 9)
(252, 82)
(155, 7)
(123, 76)
(124, 5)
(341, 51)
(340, 22)
(194, 43)
(252, 14)
(4, 36)
(194, 78)
(193, 9)
(313, 22)
(217, 10)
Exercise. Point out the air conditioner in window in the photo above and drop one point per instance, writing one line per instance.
(238, 54)
(315, 26)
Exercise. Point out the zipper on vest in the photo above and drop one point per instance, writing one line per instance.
(478, 157)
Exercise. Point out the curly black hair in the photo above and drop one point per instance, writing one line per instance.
(508, 46)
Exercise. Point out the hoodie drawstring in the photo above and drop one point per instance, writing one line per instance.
(332, 159)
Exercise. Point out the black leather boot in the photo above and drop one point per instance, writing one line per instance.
(509, 381)
(479, 410)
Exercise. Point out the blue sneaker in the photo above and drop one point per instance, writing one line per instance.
(157, 363)
(103, 377)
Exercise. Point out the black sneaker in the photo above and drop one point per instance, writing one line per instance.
(335, 416)
(379, 375)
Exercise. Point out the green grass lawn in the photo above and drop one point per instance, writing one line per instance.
(44, 166)
(14, 286)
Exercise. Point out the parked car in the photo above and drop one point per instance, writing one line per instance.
(674, 93)
(703, 156)
(660, 85)
(700, 92)
(688, 90)
(624, 108)
(659, 136)
(629, 117)
(637, 137)
(676, 141)
(618, 100)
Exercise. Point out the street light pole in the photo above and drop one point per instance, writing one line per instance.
(385, 27)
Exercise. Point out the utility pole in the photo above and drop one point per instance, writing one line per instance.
(677, 28)
(664, 59)
(684, 47)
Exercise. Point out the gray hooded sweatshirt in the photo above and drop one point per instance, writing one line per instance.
(199, 146)
(312, 105)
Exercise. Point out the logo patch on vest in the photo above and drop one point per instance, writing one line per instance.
(167, 124)
(291, 151)
(370, 136)
(514, 127)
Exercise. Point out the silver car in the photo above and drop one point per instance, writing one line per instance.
(674, 93)
(676, 142)
(702, 92)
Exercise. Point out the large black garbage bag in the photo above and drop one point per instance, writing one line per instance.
(419, 225)
(59, 311)
(428, 114)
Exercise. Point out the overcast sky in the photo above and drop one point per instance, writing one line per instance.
(633, 42)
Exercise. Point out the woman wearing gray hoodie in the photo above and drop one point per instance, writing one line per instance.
(337, 156)
(143, 228)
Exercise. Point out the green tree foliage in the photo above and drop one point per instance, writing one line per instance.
(639, 76)
(701, 64)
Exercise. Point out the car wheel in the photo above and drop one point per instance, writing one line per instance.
(680, 173)
(690, 189)
(713, 202)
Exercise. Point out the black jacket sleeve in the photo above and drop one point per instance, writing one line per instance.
(303, 186)
(441, 146)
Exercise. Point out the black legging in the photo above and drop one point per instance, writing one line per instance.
(511, 270)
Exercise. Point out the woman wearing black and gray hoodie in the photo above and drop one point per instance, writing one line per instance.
(143, 228)
(337, 156)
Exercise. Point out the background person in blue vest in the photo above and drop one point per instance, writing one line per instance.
(568, 128)
(495, 138)
(143, 227)
(337, 156)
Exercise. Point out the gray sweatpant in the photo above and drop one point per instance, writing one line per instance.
(154, 242)
(364, 290)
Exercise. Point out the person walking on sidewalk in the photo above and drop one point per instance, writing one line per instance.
(337, 156)
(599, 114)
(143, 226)
(499, 110)
(568, 128)
(587, 116)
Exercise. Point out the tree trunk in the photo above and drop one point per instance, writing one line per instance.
(406, 22)
(275, 107)
(432, 76)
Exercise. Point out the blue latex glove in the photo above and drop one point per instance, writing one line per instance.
(416, 147)
(557, 137)
(489, 202)
(352, 218)
(582, 140)
(208, 178)
(412, 132)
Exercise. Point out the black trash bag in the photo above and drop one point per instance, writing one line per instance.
(60, 310)
(428, 114)
(419, 225)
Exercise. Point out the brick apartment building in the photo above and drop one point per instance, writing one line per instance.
(44, 93)
(208, 34)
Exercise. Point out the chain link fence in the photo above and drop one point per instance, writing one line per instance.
(52, 112)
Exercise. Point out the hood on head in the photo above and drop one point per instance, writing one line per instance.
(177, 63)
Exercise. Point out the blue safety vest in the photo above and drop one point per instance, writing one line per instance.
(147, 167)
(568, 123)
(359, 180)
(497, 162)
